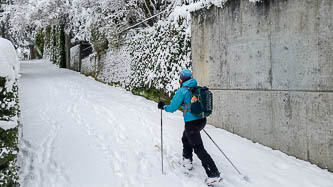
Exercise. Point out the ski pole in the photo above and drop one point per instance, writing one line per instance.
(162, 141)
(244, 177)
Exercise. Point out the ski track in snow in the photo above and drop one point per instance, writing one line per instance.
(79, 132)
(42, 156)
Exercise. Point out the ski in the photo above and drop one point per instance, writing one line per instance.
(215, 183)
(175, 164)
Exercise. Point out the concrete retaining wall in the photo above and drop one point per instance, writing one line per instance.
(270, 66)
(74, 63)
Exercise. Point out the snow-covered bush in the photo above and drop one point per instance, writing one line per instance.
(54, 44)
(109, 17)
(159, 53)
(48, 42)
(114, 67)
(9, 112)
(150, 60)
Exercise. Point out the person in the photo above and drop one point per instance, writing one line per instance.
(193, 125)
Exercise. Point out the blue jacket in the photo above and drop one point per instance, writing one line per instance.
(182, 96)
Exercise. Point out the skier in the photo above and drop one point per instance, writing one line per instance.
(193, 125)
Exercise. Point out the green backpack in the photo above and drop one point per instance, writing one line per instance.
(201, 101)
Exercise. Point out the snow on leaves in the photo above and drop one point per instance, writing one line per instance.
(159, 53)
(9, 111)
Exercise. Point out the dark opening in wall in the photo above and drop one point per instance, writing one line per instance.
(86, 50)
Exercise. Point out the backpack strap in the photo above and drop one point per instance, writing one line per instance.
(187, 107)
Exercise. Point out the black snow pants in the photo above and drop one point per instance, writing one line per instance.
(192, 142)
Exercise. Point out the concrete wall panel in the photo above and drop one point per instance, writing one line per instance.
(270, 66)
(297, 123)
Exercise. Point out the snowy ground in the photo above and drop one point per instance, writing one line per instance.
(79, 132)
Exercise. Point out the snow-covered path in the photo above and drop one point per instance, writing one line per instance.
(79, 132)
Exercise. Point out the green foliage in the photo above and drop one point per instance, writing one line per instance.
(2, 82)
(152, 94)
(159, 54)
(99, 41)
(48, 36)
(8, 102)
(9, 110)
(40, 41)
(61, 47)
(54, 47)
(8, 157)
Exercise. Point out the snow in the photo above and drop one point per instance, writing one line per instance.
(185, 10)
(116, 67)
(9, 69)
(6, 125)
(9, 65)
(158, 55)
(79, 132)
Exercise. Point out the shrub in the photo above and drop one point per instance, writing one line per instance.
(159, 53)
(9, 111)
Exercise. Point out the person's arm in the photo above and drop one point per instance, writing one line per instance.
(176, 101)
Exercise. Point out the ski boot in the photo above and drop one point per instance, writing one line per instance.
(186, 163)
(212, 181)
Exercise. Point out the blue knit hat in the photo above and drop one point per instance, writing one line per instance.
(185, 75)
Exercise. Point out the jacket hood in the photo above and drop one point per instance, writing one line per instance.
(190, 83)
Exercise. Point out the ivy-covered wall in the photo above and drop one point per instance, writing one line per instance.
(9, 112)
(40, 41)
(54, 44)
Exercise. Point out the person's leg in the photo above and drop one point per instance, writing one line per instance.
(187, 148)
(207, 161)
(192, 132)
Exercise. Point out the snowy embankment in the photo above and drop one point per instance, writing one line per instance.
(79, 132)
(9, 69)
(9, 65)
(9, 113)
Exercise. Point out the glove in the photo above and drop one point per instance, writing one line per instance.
(161, 105)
